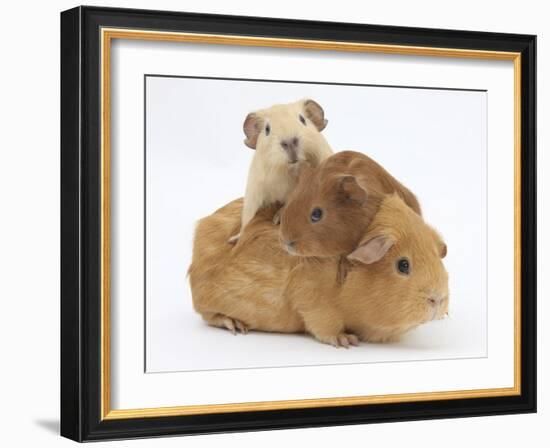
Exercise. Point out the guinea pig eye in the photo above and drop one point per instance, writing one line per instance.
(303, 120)
(267, 129)
(403, 266)
(316, 215)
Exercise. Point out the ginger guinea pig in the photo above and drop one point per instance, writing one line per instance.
(394, 279)
(282, 136)
(241, 288)
(334, 203)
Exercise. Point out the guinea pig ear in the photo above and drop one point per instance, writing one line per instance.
(315, 113)
(350, 190)
(442, 247)
(372, 250)
(252, 126)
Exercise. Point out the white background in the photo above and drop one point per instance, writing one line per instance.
(30, 243)
(196, 162)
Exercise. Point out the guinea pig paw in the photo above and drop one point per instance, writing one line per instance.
(346, 340)
(277, 217)
(235, 326)
(234, 239)
(242, 328)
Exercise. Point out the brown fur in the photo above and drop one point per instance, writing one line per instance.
(348, 188)
(239, 283)
(259, 286)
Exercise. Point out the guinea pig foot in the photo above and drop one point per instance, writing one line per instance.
(221, 321)
(277, 217)
(235, 326)
(345, 340)
(242, 328)
(234, 239)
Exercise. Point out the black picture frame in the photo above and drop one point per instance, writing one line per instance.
(81, 224)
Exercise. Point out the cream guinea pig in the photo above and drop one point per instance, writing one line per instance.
(282, 136)
(393, 281)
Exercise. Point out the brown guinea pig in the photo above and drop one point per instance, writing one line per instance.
(333, 204)
(394, 280)
(241, 287)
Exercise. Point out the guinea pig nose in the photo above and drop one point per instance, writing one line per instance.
(290, 144)
(290, 244)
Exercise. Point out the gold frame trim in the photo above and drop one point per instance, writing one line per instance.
(107, 35)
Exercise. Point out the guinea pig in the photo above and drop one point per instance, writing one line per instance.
(282, 136)
(394, 281)
(223, 279)
(332, 205)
